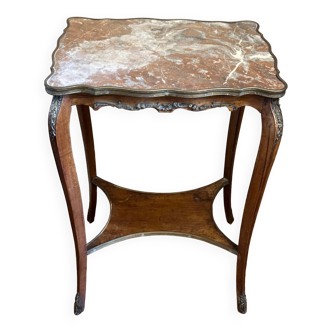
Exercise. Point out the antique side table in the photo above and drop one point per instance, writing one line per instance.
(134, 64)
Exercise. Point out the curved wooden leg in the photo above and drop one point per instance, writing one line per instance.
(272, 125)
(59, 118)
(86, 128)
(232, 138)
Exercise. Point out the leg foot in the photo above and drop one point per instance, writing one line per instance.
(242, 303)
(78, 305)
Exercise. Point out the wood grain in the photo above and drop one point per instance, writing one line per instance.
(135, 213)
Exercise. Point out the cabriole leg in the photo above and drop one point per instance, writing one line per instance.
(87, 134)
(272, 125)
(232, 138)
(59, 118)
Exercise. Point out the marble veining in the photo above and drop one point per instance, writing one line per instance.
(148, 54)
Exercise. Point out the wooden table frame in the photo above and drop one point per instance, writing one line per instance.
(184, 214)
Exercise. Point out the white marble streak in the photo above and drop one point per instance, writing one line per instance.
(151, 40)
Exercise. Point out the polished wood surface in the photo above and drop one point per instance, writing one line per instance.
(192, 104)
(268, 148)
(188, 213)
(233, 135)
(86, 128)
(61, 145)
(135, 213)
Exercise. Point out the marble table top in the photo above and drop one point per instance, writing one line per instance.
(150, 57)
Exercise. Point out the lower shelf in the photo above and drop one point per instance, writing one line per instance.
(135, 213)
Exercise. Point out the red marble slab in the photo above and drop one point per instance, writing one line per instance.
(149, 57)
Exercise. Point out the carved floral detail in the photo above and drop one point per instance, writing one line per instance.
(278, 115)
(167, 108)
(53, 114)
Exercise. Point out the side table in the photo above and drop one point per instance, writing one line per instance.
(133, 64)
